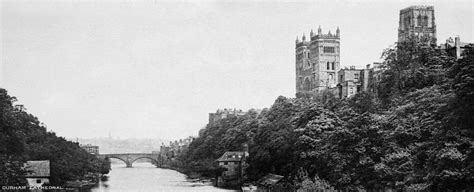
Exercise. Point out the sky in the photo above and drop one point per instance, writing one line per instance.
(156, 69)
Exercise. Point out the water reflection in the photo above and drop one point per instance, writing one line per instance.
(146, 177)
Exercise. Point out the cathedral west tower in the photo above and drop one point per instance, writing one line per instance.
(317, 62)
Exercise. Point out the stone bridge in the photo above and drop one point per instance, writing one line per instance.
(129, 158)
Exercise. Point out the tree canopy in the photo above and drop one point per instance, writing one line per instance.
(415, 133)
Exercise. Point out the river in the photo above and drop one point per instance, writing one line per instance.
(146, 177)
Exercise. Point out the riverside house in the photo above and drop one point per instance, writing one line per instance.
(234, 162)
(38, 173)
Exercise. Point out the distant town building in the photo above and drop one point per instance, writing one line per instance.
(92, 149)
(455, 48)
(169, 152)
(417, 21)
(181, 145)
(38, 173)
(235, 164)
(317, 62)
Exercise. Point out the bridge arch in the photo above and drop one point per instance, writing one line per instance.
(127, 162)
(154, 161)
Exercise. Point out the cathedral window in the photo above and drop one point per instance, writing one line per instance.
(328, 65)
(332, 65)
(328, 49)
(422, 21)
(419, 21)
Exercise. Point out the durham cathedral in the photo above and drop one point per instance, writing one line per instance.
(318, 66)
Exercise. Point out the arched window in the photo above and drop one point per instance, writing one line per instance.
(330, 76)
(307, 85)
(407, 22)
(419, 21)
(332, 65)
(328, 65)
(425, 20)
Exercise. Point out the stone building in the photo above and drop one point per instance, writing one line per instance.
(92, 149)
(417, 21)
(456, 48)
(352, 81)
(38, 173)
(317, 62)
(175, 148)
(375, 76)
(349, 82)
(235, 164)
(224, 113)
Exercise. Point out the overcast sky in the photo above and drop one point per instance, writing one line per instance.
(155, 69)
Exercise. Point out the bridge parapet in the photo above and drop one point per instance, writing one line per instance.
(129, 158)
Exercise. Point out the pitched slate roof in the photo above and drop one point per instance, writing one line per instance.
(269, 179)
(37, 168)
(232, 156)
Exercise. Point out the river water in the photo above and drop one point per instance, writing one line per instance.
(146, 177)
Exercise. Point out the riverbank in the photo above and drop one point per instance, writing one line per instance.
(89, 181)
(190, 174)
(199, 178)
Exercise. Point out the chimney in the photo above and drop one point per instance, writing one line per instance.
(457, 44)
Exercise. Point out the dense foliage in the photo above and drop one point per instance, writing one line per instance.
(414, 132)
(24, 138)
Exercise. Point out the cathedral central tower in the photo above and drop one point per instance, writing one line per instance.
(317, 62)
(417, 21)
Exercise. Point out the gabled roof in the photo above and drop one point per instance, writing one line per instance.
(232, 156)
(37, 168)
(269, 179)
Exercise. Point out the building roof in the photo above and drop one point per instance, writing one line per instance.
(269, 179)
(232, 156)
(453, 45)
(37, 168)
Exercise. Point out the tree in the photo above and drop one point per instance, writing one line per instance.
(23, 137)
(409, 66)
